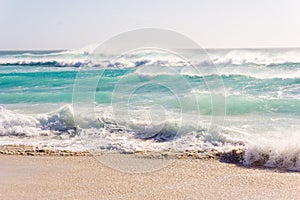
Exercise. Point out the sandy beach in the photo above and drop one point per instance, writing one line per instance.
(84, 177)
(154, 100)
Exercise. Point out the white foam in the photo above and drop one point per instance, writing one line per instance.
(281, 153)
(18, 124)
(256, 56)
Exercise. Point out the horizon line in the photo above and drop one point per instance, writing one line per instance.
(209, 48)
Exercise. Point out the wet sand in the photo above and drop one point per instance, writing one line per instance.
(84, 177)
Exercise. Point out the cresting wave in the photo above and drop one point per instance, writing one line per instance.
(56, 130)
(55, 63)
(18, 124)
(265, 63)
(268, 57)
(281, 153)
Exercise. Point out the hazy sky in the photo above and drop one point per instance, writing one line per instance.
(71, 24)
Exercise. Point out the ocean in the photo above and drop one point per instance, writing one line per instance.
(153, 101)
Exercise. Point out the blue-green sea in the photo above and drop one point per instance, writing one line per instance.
(154, 101)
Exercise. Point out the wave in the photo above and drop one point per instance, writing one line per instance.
(281, 153)
(187, 70)
(52, 63)
(257, 73)
(67, 58)
(57, 130)
(263, 64)
(18, 124)
(267, 57)
(266, 60)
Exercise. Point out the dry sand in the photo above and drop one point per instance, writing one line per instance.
(83, 177)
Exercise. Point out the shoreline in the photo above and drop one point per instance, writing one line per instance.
(232, 156)
(26, 150)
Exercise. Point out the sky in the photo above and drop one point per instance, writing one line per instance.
(72, 24)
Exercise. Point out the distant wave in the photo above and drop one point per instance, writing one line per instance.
(255, 56)
(46, 63)
(81, 57)
(265, 64)
(258, 72)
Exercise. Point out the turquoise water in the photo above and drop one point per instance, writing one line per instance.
(244, 94)
(260, 88)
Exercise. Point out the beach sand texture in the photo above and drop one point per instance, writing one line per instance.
(83, 177)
